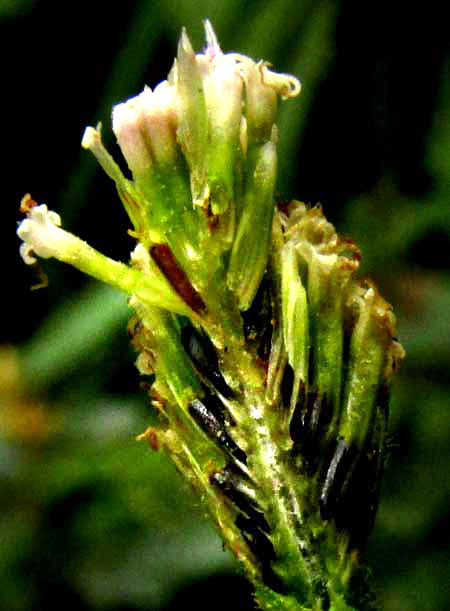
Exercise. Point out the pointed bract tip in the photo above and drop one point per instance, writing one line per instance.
(184, 44)
(212, 44)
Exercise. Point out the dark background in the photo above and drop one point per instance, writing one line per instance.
(89, 518)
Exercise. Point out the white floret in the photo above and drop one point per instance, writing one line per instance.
(41, 234)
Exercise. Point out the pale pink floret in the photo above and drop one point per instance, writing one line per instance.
(159, 121)
(127, 126)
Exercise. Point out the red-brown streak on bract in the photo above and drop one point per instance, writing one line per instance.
(153, 440)
(128, 200)
(164, 258)
(283, 207)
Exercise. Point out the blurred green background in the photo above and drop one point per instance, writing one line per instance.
(90, 519)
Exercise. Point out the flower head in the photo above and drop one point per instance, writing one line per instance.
(271, 361)
(202, 150)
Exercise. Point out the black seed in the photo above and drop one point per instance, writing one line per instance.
(287, 384)
(232, 483)
(338, 474)
(258, 542)
(215, 406)
(263, 549)
(351, 490)
(203, 354)
(308, 427)
(214, 427)
(356, 513)
(358, 504)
